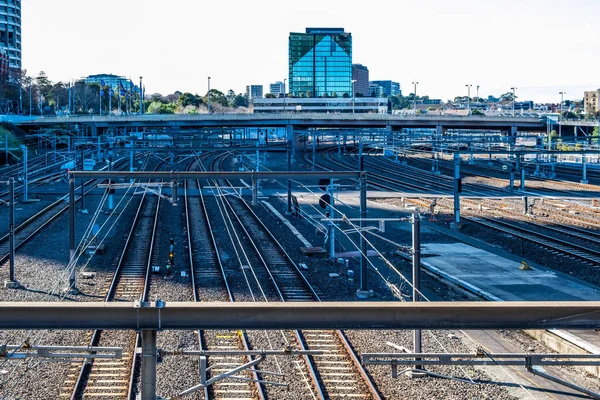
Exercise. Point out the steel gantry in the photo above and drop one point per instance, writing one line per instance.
(150, 317)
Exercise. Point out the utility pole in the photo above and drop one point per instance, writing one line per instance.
(141, 97)
(561, 113)
(468, 85)
(513, 99)
(415, 98)
(208, 95)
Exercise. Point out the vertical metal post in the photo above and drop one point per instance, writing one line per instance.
(25, 173)
(208, 95)
(512, 179)
(584, 169)
(522, 178)
(363, 291)
(525, 205)
(72, 231)
(360, 155)
(141, 97)
(6, 149)
(416, 267)
(11, 195)
(99, 148)
(457, 190)
(148, 365)
(331, 223)
(203, 367)
(289, 182)
(131, 164)
(83, 210)
(314, 150)
(254, 191)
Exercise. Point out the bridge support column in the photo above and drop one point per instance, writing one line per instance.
(94, 131)
(289, 129)
(148, 365)
(456, 224)
(584, 169)
(332, 226)
(512, 140)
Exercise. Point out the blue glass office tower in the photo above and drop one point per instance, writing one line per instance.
(320, 63)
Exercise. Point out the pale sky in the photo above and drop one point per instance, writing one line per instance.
(540, 46)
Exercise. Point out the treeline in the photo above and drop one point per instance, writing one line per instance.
(26, 95)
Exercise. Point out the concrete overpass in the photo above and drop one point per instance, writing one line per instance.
(291, 121)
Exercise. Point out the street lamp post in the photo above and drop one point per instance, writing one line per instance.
(284, 81)
(478, 93)
(208, 94)
(353, 94)
(468, 85)
(562, 94)
(415, 98)
(514, 88)
(30, 84)
(141, 97)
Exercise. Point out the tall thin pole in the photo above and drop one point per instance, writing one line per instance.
(478, 93)
(353, 95)
(513, 99)
(148, 364)
(284, 81)
(141, 97)
(561, 113)
(415, 98)
(72, 233)
(416, 267)
(289, 182)
(30, 85)
(25, 173)
(11, 190)
(468, 85)
(364, 286)
(208, 95)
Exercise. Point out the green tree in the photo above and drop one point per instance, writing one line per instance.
(217, 97)
(269, 96)
(188, 99)
(508, 96)
(157, 107)
(477, 112)
(595, 135)
(240, 101)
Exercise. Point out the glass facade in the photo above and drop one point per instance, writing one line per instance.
(320, 63)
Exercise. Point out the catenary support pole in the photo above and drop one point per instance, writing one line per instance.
(457, 190)
(254, 191)
(12, 282)
(148, 365)
(289, 181)
(25, 173)
(331, 223)
(416, 266)
(363, 291)
(72, 283)
(584, 169)
(83, 210)
(314, 150)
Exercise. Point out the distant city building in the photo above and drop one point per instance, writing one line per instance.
(389, 88)
(276, 88)
(320, 62)
(10, 31)
(322, 105)
(113, 81)
(591, 101)
(254, 92)
(375, 90)
(360, 73)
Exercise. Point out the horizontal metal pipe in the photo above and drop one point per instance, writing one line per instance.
(328, 315)
(299, 175)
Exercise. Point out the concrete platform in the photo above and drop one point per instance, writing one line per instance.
(500, 279)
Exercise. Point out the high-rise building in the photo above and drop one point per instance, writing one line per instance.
(591, 101)
(360, 74)
(254, 92)
(276, 88)
(320, 62)
(113, 81)
(388, 88)
(10, 31)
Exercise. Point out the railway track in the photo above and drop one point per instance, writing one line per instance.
(208, 277)
(335, 374)
(115, 378)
